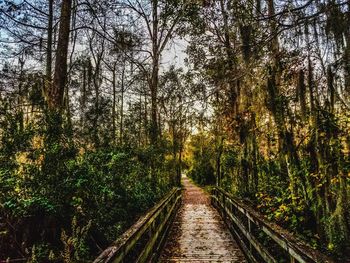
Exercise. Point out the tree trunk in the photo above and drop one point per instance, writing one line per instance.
(56, 91)
(96, 83)
(233, 88)
(49, 49)
(290, 159)
(219, 153)
(122, 106)
(347, 52)
(154, 76)
(83, 96)
(114, 102)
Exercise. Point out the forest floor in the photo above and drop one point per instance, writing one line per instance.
(198, 233)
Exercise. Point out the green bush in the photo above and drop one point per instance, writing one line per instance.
(57, 204)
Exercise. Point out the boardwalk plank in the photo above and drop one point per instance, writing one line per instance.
(198, 233)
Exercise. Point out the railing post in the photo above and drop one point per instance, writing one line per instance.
(250, 233)
(224, 206)
(247, 222)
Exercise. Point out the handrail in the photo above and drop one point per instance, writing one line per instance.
(142, 241)
(249, 226)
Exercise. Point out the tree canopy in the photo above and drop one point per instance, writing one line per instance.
(99, 116)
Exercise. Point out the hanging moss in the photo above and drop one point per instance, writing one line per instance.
(336, 23)
(330, 86)
(89, 71)
(246, 31)
(311, 86)
(301, 93)
(314, 25)
(258, 7)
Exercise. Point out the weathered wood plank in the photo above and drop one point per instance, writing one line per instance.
(198, 233)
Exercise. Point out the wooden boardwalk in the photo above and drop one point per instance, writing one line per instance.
(198, 233)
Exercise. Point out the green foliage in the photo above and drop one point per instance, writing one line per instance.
(202, 170)
(75, 248)
(40, 252)
(60, 201)
(286, 212)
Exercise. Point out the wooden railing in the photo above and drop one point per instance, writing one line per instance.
(143, 241)
(262, 241)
